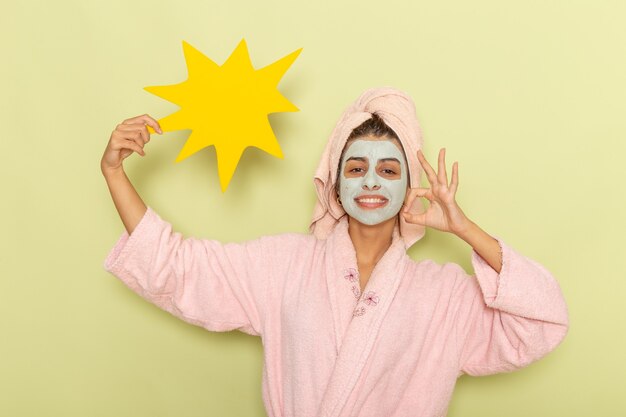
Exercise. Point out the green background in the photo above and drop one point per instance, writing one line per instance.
(528, 97)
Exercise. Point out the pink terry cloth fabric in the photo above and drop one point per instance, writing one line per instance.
(397, 111)
(395, 349)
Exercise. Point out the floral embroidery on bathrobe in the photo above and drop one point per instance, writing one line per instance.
(370, 298)
(351, 275)
(356, 291)
(359, 311)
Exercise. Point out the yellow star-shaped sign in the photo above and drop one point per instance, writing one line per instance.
(226, 106)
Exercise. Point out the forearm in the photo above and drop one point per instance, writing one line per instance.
(484, 244)
(128, 203)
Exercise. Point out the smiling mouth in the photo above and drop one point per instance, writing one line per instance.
(370, 202)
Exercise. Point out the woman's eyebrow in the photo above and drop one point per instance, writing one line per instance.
(389, 160)
(357, 158)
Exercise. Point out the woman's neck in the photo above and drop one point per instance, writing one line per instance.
(370, 244)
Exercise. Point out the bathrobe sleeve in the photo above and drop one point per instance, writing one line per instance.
(507, 320)
(217, 286)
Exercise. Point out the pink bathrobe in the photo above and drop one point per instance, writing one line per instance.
(396, 349)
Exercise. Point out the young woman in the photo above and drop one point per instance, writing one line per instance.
(351, 326)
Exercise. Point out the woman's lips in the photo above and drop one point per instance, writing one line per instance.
(371, 202)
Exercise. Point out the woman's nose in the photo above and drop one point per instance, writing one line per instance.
(371, 182)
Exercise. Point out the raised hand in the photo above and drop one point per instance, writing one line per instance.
(129, 136)
(443, 212)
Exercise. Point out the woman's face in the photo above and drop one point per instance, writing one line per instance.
(373, 179)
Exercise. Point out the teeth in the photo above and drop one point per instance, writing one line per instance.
(371, 200)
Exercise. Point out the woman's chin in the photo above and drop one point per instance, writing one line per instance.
(369, 221)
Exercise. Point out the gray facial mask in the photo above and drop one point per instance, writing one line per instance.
(372, 198)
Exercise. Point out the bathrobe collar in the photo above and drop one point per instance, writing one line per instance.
(357, 316)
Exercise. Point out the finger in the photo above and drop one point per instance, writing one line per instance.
(134, 135)
(154, 125)
(442, 175)
(430, 172)
(415, 218)
(414, 193)
(426, 193)
(125, 153)
(145, 119)
(135, 120)
(140, 128)
(408, 200)
(144, 134)
(133, 146)
(122, 143)
(454, 184)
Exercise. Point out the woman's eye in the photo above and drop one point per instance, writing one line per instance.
(389, 171)
(356, 170)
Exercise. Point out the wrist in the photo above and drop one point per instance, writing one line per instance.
(111, 173)
(466, 230)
